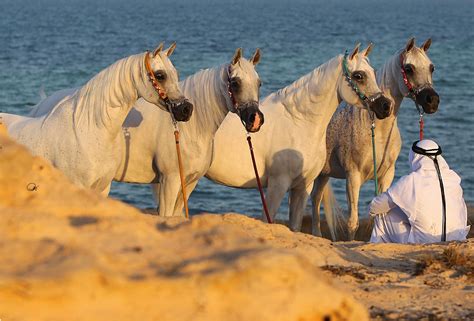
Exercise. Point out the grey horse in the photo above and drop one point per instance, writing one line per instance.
(349, 146)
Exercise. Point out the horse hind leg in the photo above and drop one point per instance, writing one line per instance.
(353, 184)
(298, 200)
(316, 198)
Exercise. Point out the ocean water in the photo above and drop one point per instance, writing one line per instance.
(54, 44)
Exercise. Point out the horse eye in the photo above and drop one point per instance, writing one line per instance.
(160, 75)
(259, 83)
(408, 69)
(235, 83)
(432, 68)
(358, 76)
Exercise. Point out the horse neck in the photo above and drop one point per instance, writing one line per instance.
(208, 91)
(104, 102)
(314, 97)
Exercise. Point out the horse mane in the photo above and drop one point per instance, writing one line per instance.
(205, 89)
(105, 93)
(389, 77)
(300, 97)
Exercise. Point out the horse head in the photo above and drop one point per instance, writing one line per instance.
(162, 87)
(244, 89)
(358, 86)
(416, 76)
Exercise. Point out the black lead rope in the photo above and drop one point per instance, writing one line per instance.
(433, 154)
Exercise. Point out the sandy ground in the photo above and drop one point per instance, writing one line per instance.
(69, 254)
(365, 228)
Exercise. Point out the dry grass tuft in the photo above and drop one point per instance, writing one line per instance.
(452, 258)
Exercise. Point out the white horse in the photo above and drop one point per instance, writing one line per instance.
(348, 143)
(81, 133)
(149, 152)
(290, 149)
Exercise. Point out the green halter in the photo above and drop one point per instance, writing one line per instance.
(351, 82)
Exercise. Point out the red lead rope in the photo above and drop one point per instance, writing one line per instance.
(422, 126)
(260, 189)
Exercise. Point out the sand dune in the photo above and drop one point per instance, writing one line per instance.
(68, 254)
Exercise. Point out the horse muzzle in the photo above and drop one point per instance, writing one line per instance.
(182, 110)
(381, 106)
(251, 116)
(428, 98)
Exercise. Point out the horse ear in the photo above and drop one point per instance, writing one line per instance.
(171, 49)
(237, 56)
(410, 44)
(158, 50)
(256, 57)
(426, 45)
(368, 50)
(354, 52)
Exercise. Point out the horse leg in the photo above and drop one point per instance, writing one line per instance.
(316, 198)
(298, 200)
(276, 189)
(106, 191)
(179, 206)
(386, 180)
(170, 186)
(353, 184)
(155, 190)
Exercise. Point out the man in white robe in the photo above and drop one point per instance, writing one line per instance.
(412, 211)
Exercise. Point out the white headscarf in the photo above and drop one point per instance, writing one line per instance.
(418, 194)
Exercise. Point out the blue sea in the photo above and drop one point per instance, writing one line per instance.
(54, 44)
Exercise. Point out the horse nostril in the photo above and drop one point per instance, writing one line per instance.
(252, 118)
(428, 99)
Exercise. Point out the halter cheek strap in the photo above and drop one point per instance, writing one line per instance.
(412, 91)
(353, 85)
(229, 88)
(433, 154)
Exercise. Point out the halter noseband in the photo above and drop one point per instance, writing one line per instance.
(433, 155)
(347, 75)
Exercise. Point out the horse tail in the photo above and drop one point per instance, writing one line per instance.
(332, 211)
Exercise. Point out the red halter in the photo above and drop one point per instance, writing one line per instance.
(229, 89)
(151, 76)
(405, 77)
(412, 94)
